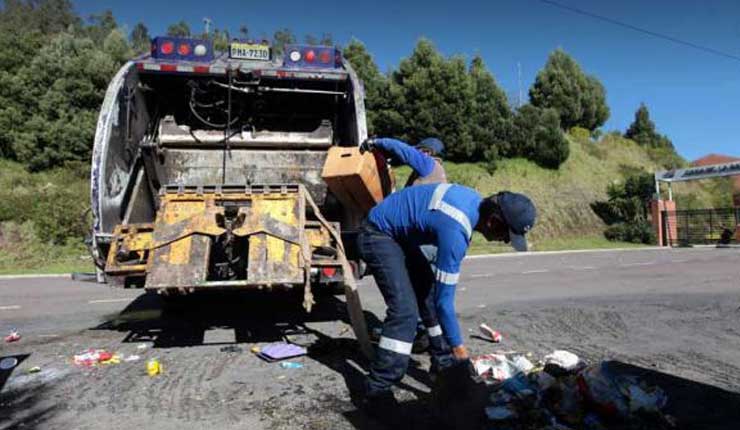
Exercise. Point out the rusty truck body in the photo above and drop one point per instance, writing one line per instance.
(207, 169)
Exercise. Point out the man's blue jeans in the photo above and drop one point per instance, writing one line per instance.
(405, 280)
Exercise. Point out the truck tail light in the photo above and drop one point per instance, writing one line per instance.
(167, 48)
(183, 49)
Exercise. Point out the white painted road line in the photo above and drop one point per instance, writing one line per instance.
(649, 263)
(92, 302)
(9, 308)
(583, 268)
(535, 271)
(481, 275)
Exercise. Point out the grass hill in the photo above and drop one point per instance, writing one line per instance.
(563, 196)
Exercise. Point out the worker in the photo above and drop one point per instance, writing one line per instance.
(426, 164)
(424, 158)
(389, 242)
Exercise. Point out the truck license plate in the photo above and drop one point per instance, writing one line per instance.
(249, 51)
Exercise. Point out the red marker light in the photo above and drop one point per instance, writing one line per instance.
(324, 57)
(167, 48)
(310, 56)
(329, 272)
(183, 49)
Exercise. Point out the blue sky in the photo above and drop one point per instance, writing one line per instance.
(693, 96)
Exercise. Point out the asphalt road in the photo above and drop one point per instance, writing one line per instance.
(670, 314)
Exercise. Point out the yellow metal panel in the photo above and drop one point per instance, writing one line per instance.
(180, 251)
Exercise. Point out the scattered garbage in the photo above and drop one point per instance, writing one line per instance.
(34, 369)
(142, 346)
(13, 336)
(500, 413)
(498, 367)
(565, 359)
(131, 358)
(8, 363)
(291, 365)
(154, 367)
(563, 392)
(490, 334)
(232, 348)
(280, 351)
(93, 357)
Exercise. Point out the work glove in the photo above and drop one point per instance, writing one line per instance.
(368, 145)
(459, 396)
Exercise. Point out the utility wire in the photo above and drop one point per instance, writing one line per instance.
(642, 30)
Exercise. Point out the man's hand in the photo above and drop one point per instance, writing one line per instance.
(367, 145)
(460, 353)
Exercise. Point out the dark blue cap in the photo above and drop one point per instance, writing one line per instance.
(520, 215)
(434, 145)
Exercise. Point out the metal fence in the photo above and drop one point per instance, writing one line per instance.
(701, 226)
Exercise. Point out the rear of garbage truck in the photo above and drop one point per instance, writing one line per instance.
(233, 170)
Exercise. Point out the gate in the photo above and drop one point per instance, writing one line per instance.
(701, 226)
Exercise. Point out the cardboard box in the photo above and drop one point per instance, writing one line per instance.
(360, 181)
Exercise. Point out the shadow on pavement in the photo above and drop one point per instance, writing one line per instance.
(695, 405)
(257, 317)
(253, 316)
(25, 406)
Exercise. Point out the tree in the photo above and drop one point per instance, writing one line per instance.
(140, 40)
(310, 39)
(431, 96)
(58, 96)
(101, 25)
(579, 99)
(376, 85)
(45, 16)
(179, 29)
(491, 117)
(243, 31)
(537, 136)
(220, 39)
(642, 130)
(659, 147)
(326, 39)
(281, 38)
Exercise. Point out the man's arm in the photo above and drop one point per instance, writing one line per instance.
(422, 163)
(452, 245)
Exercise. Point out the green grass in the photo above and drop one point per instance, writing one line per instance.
(480, 246)
(21, 251)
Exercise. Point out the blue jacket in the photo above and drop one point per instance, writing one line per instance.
(443, 215)
(422, 163)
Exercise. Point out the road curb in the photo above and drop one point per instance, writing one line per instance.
(30, 275)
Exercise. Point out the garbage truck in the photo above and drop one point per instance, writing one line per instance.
(233, 170)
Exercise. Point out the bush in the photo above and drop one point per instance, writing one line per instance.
(637, 232)
(536, 135)
(52, 202)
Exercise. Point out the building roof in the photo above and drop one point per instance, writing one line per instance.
(710, 159)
